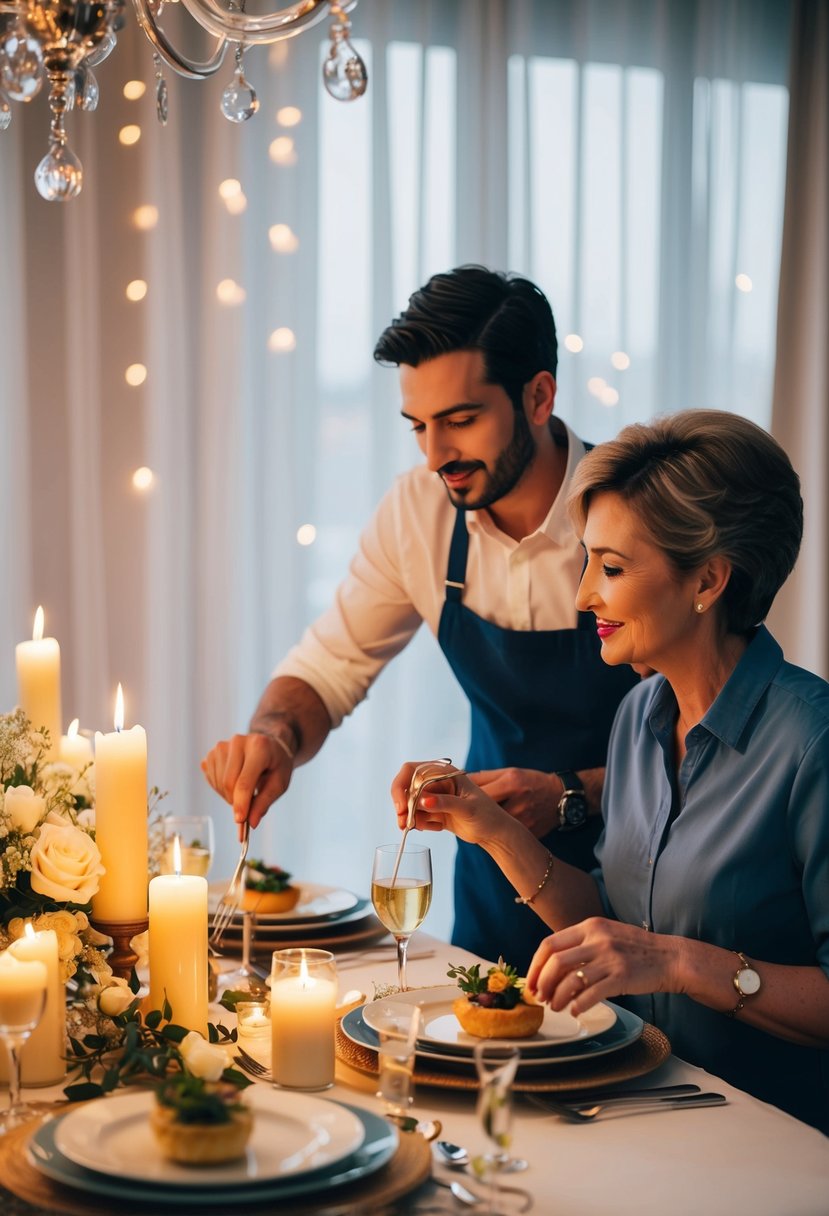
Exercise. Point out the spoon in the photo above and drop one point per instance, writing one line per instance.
(423, 775)
(457, 1157)
(463, 1195)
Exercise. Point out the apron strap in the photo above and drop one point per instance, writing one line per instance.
(456, 566)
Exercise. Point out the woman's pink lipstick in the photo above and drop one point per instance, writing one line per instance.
(606, 628)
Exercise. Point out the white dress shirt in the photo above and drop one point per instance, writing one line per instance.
(396, 581)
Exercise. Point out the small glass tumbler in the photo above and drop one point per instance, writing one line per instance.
(253, 1021)
(397, 1031)
(303, 1017)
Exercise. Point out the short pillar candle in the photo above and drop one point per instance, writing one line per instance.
(303, 1003)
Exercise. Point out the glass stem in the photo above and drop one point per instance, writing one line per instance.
(402, 947)
(247, 937)
(13, 1045)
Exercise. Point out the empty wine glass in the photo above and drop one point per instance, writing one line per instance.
(22, 1001)
(397, 1029)
(402, 904)
(247, 977)
(196, 841)
(496, 1065)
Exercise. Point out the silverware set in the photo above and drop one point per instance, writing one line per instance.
(591, 1107)
(229, 903)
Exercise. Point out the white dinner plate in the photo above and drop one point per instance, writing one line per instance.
(316, 903)
(292, 1134)
(440, 1029)
(378, 1147)
(268, 927)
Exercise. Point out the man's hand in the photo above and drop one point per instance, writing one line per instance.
(529, 796)
(250, 772)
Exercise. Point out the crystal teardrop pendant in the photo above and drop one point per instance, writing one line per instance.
(343, 72)
(87, 92)
(5, 114)
(59, 175)
(239, 100)
(161, 101)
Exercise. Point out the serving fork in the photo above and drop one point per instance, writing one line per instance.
(229, 903)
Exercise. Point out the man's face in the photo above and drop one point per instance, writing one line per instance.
(468, 430)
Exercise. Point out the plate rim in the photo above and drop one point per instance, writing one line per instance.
(218, 888)
(265, 1100)
(381, 1140)
(463, 1050)
(629, 1024)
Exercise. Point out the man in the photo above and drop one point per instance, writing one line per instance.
(476, 543)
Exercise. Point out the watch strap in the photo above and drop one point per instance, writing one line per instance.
(745, 965)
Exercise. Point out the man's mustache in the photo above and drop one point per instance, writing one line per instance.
(456, 467)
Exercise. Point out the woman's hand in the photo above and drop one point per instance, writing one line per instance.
(530, 796)
(455, 803)
(598, 959)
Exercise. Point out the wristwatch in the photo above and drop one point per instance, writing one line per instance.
(746, 982)
(572, 805)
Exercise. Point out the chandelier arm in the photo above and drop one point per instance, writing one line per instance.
(180, 64)
(239, 26)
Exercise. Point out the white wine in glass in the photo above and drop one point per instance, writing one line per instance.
(195, 837)
(401, 902)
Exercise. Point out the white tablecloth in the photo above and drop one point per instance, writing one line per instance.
(745, 1157)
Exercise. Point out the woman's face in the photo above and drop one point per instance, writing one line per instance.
(644, 608)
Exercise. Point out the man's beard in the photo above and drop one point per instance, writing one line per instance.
(510, 467)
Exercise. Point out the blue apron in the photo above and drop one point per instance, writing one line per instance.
(539, 699)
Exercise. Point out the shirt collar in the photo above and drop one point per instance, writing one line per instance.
(728, 717)
(556, 525)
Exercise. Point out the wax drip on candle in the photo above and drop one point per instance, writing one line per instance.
(37, 630)
(118, 719)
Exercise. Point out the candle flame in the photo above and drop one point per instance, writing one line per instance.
(29, 930)
(305, 980)
(72, 729)
(37, 631)
(177, 855)
(119, 709)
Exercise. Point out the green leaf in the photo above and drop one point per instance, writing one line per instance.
(231, 996)
(94, 1041)
(166, 1009)
(153, 1019)
(212, 1033)
(77, 1046)
(134, 982)
(237, 1078)
(175, 1033)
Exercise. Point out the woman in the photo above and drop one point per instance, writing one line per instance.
(710, 908)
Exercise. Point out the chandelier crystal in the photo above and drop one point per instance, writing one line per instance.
(59, 42)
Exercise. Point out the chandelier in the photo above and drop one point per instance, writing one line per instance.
(61, 41)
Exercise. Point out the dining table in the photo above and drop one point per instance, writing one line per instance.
(744, 1155)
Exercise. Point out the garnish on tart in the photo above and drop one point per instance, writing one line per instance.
(199, 1122)
(496, 1005)
(268, 889)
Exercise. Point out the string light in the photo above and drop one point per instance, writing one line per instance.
(574, 343)
(306, 534)
(129, 135)
(135, 374)
(145, 217)
(283, 239)
(289, 116)
(229, 292)
(596, 385)
(136, 290)
(134, 89)
(282, 340)
(282, 150)
(143, 478)
(743, 283)
(620, 360)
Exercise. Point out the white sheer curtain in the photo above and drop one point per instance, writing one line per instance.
(630, 158)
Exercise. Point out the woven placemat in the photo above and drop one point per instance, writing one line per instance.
(643, 1056)
(409, 1167)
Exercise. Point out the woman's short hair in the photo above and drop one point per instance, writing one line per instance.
(705, 482)
(504, 316)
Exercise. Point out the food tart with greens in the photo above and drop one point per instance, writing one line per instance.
(495, 1005)
(197, 1122)
(268, 889)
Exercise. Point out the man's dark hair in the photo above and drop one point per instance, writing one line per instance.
(507, 318)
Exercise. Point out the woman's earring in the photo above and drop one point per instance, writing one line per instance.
(700, 606)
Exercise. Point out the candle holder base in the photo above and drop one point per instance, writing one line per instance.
(123, 958)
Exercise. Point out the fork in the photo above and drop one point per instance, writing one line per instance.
(249, 1065)
(229, 902)
(633, 1105)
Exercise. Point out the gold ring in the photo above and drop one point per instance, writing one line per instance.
(581, 976)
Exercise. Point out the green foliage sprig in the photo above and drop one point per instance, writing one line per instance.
(144, 1047)
(262, 877)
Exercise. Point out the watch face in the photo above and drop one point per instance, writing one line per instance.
(748, 981)
(574, 811)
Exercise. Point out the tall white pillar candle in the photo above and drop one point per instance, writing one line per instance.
(121, 821)
(38, 683)
(22, 989)
(178, 948)
(303, 1001)
(42, 1057)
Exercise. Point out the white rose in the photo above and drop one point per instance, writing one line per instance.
(115, 998)
(66, 864)
(203, 1059)
(86, 818)
(25, 807)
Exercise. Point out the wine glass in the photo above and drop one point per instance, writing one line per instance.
(196, 843)
(401, 901)
(397, 1029)
(20, 1012)
(496, 1065)
(248, 976)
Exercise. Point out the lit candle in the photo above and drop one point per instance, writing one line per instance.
(38, 683)
(75, 749)
(303, 1000)
(22, 988)
(178, 946)
(41, 1059)
(121, 820)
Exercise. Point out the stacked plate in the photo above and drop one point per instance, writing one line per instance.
(442, 1043)
(300, 1145)
(327, 917)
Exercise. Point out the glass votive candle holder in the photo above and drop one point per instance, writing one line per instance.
(253, 1021)
(303, 1004)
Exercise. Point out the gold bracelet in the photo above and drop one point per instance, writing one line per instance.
(529, 899)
